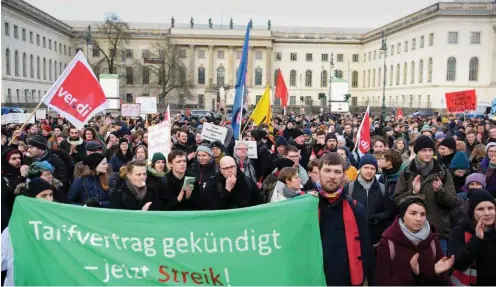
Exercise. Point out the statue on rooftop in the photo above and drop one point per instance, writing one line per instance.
(210, 23)
(231, 24)
(192, 23)
(173, 22)
(269, 24)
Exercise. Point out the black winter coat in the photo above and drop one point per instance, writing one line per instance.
(61, 171)
(202, 173)
(262, 164)
(123, 198)
(244, 194)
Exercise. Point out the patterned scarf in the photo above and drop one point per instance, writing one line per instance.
(330, 197)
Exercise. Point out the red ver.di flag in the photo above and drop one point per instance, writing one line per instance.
(364, 135)
(77, 94)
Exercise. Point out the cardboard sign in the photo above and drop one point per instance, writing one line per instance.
(16, 118)
(211, 132)
(130, 110)
(148, 104)
(159, 140)
(41, 114)
(462, 101)
(252, 148)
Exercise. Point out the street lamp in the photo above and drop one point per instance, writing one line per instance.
(384, 51)
(89, 44)
(331, 65)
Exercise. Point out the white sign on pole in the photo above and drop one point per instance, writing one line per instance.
(41, 114)
(130, 110)
(110, 87)
(213, 133)
(148, 104)
(159, 140)
(16, 118)
(252, 148)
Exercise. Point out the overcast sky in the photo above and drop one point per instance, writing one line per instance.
(310, 13)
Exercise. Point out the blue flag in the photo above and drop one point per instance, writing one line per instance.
(240, 86)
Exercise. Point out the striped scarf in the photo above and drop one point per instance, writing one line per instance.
(331, 197)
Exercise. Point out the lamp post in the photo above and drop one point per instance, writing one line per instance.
(384, 51)
(331, 65)
(89, 44)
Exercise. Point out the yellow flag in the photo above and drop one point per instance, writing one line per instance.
(263, 112)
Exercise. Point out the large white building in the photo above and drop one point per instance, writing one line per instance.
(448, 46)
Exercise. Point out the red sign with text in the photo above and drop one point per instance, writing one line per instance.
(462, 101)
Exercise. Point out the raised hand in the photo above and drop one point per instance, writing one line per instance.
(444, 264)
(416, 185)
(414, 264)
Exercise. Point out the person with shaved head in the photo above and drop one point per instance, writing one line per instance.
(234, 188)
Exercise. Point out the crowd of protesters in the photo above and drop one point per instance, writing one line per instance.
(417, 209)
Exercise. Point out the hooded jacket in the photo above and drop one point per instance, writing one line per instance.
(396, 270)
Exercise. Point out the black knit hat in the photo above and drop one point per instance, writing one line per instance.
(423, 142)
(281, 163)
(449, 143)
(258, 134)
(158, 156)
(217, 144)
(281, 141)
(123, 140)
(330, 136)
(93, 160)
(36, 186)
(407, 201)
(38, 141)
(476, 196)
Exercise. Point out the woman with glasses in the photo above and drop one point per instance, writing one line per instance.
(243, 161)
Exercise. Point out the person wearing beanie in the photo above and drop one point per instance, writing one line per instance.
(439, 136)
(460, 169)
(204, 167)
(123, 155)
(409, 252)
(489, 168)
(218, 151)
(331, 142)
(156, 171)
(299, 143)
(428, 177)
(473, 242)
(92, 188)
(447, 150)
(39, 188)
(426, 131)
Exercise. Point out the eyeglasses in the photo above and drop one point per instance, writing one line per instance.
(228, 167)
(242, 148)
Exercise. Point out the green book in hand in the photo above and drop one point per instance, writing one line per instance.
(189, 181)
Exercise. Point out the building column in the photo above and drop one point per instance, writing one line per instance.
(210, 68)
(230, 68)
(268, 67)
(249, 69)
(192, 63)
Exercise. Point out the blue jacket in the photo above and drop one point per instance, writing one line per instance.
(116, 162)
(87, 187)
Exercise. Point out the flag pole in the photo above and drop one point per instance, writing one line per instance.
(27, 121)
(241, 110)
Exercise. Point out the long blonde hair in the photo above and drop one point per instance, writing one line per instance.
(478, 153)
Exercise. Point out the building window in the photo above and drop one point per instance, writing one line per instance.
(258, 76)
(355, 58)
(60, 68)
(421, 71)
(23, 34)
(364, 57)
(368, 78)
(452, 37)
(431, 39)
(339, 58)
(145, 75)
(65, 50)
(69, 51)
(276, 72)
(16, 63)
(369, 56)
(429, 71)
(201, 76)
(9, 96)
(338, 74)
(278, 56)
(31, 66)
(475, 37)
(16, 32)
(201, 54)
(220, 54)
(412, 68)
(414, 44)
(31, 40)
(325, 57)
(399, 48)
(354, 79)
(397, 74)
(220, 76)
(308, 78)
(44, 42)
(96, 52)
(292, 100)
(406, 46)
(129, 98)
(392, 50)
(309, 57)
(129, 53)
(421, 42)
(55, 70)
(364, 75)
(379, 76)
(391, 75)
(375, 55)
(37, 39)
(474, 69)
(50, 70)
(49, 44)
(55, 46)
(7, 28)
(373, 78)
(258, 55)
(294, 57)
(323, 79)
(7, 61)
(292, 78)
(258, 98)
(145, 53)
(451, 69)
(405, 73)
(38, 67)
(129, 76)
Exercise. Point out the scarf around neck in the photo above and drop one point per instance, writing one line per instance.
(138, 192)
(424, 168)
(283, 190)
(418, 236)
(366, 184)
(330, 197)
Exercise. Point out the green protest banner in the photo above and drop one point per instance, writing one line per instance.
(272, 244)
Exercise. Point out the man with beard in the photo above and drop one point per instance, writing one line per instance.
(74, 145)
(299, 143)
(32, 130)
(182, 145)
(331, 142)
(347, 251)
(13, 173)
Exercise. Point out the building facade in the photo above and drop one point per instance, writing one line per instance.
(442, 48)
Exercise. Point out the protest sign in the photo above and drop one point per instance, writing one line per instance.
(77, 94)
(16, 118)
(130, 110)
(252, 148)
(273, 244)
(148, 104)
(462, 101)
(211, 132)
(159, 139)
(41, 114)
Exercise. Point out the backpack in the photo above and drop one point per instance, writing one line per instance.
(352, 184)
(392, 251)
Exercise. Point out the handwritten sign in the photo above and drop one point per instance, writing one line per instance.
(148, 104)
(461, 101)
(159, 139)
(252, 148)
(130, 110)
(213, 133)
(41, 114)
(16, 118)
